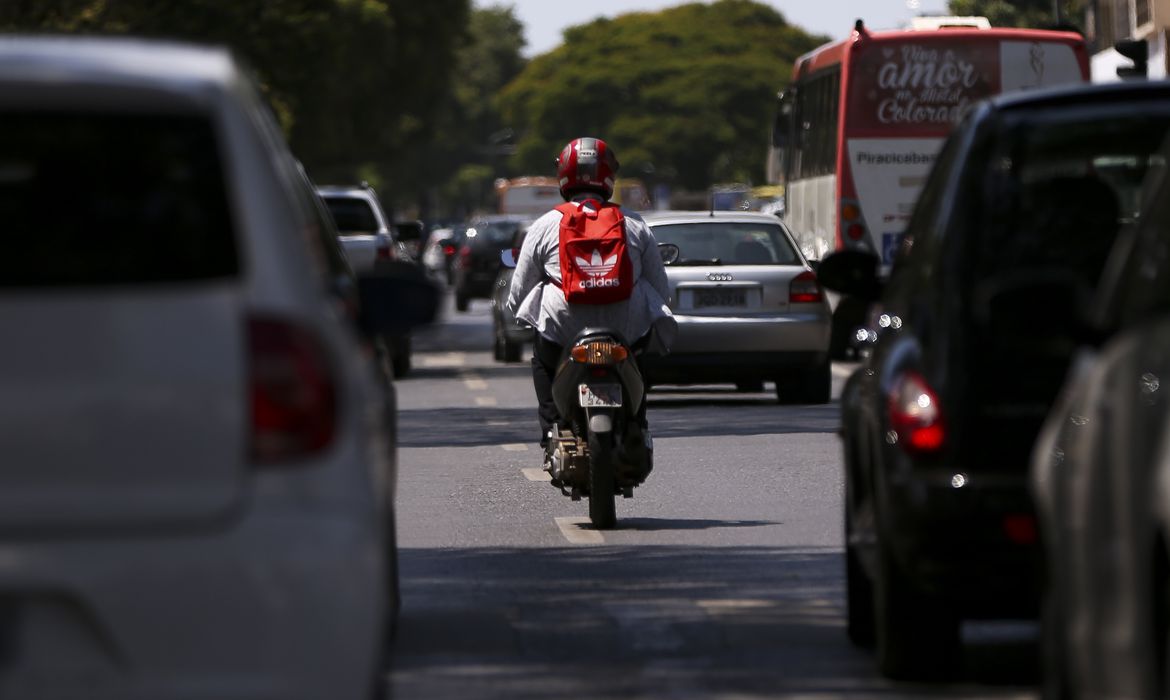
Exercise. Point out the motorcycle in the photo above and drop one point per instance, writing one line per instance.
(601, 447)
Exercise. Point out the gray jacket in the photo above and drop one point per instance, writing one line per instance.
(536, 299)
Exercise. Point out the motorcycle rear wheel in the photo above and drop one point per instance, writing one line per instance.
(602, 510)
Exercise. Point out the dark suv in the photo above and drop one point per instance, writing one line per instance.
(477, 262)
(939, 421)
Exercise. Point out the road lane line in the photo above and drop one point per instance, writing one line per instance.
(443, 359)
(843, 370)
(474, 382)
(574, 530)
(713, 607)
(485, 401)
(536, 474)
(515, 447)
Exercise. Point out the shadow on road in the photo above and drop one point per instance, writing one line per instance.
(662, 524)
(649, 622)
(474, 426)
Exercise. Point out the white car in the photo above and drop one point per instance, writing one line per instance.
(748, 305)
(366, 235)
(196, 466)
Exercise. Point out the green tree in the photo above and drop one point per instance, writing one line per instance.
(353, 82)
(471, 143)
(684, 95)
(1010, 13)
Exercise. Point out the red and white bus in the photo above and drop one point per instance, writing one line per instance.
(860, 125)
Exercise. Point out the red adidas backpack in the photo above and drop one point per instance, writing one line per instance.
(595, 265)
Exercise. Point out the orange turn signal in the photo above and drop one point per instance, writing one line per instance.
(599, 353)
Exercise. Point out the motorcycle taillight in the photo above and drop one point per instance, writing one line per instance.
(599, 352)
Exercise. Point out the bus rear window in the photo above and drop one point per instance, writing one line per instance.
(112, 199)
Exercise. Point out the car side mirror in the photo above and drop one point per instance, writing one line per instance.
(396, 297)
(851, 272)
(509, 256)
(669, 253)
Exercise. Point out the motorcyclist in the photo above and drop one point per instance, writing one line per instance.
(586, 169)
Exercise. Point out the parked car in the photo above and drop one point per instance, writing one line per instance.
(1100, 468)
(972, 346)
(369, 240)
(197, 480)
(478, 260)
(748, 306)
(508, 334)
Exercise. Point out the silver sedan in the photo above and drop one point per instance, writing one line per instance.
(748, 306)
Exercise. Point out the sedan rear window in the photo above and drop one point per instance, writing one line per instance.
(352, 214)
(728, 243)
(111, 199)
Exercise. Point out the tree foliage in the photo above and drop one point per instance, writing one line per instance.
(1008, 13)
(354, 82)
(684, 95)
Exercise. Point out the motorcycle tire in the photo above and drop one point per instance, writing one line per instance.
(602, 486)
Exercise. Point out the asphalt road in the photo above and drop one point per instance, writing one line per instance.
(723, 579)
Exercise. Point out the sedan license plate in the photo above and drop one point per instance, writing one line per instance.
(705, 298)
(600, 395)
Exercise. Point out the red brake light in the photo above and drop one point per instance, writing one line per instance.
(855, 232)
(916, 416)
(804, 289)
(448, 250)
(292, 392)
(383, 252)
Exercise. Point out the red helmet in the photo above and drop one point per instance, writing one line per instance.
(586, 165)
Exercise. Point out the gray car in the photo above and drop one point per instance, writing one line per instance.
(748, 306)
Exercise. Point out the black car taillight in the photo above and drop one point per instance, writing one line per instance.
(292, 392)
(916, 415)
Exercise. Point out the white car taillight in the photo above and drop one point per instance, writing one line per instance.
(292, 392)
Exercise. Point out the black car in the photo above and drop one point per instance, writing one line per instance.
(477, 261)
(508, 335)
(1027, 196)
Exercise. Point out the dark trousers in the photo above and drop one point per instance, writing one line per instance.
(546, 355)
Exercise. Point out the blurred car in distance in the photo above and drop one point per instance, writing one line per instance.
(198, 498)
(477, 261)
(439, 252)
(508, 334)
(365, 232)
(1100, 468)
(748, 306)
(368, 241)
(973, 342)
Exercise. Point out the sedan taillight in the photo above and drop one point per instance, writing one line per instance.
(804, 288)
(293, 396)
(916, 415)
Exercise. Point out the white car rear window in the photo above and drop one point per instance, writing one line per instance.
(111, 199)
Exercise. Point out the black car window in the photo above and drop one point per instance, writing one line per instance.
(352, 214)
(731, 243)
(1143, 273)
(112, 199)
(1060, 187)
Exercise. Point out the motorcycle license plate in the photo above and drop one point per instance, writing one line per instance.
(600, 395)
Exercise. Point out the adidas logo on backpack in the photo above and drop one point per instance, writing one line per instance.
(595, 265)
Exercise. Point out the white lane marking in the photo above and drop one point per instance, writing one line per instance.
(498, 423)
(474, 382)
(535, 474)
(723, 606)
(574, 530)
(514, 447)
(443, 359)
(842, 370)
(485, 401)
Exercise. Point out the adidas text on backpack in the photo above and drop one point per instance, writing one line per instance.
(595, 265)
